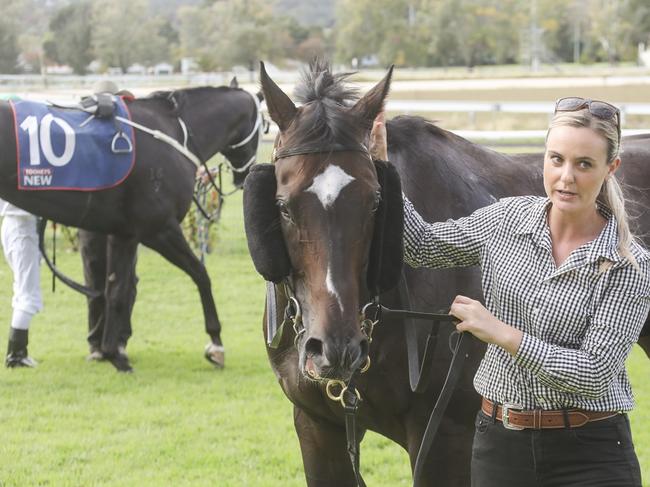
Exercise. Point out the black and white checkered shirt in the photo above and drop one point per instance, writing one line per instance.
(579, 321)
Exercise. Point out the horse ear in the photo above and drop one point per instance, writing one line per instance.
(281, 108)
(233, 82)
(368, 107)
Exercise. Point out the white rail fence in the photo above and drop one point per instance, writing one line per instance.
(528, 137)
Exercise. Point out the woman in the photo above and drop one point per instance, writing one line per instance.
(567, 290)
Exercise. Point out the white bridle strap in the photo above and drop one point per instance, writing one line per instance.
(157, 134)
(256, 127)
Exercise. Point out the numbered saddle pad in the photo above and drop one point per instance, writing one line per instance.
(62, 149)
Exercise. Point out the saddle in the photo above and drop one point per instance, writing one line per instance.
(101, 105)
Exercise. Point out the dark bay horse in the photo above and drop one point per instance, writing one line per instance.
(311, 221)
(320, 222)
(152, 201)
(466, 176)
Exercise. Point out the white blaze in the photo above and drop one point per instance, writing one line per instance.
(332, 290)
(328, 185)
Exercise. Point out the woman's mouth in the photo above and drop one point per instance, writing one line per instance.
(566, 194)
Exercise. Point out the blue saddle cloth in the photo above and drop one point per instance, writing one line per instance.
(58, 148)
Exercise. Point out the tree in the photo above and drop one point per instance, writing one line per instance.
(69, 41)
(8, 48)
(230, 32)
(124, 32)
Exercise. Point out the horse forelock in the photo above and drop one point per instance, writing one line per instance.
(325, 123)
(325, 117)
(317, 82)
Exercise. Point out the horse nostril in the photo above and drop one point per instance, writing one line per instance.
(314, 347)
(358, 355)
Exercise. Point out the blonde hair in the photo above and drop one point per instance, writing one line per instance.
(611, 194)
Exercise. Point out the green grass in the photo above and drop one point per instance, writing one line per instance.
(175, 421)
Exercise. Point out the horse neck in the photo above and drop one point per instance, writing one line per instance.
(217, 122)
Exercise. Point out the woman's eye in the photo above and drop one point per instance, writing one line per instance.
(584, 164)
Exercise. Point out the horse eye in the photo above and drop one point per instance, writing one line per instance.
(284, 210)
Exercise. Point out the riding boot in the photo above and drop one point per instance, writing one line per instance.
(17, 350)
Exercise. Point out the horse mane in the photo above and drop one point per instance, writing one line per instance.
(401, 131)
(444, 158)
(325, 117)
(403, 137)
(177, 99)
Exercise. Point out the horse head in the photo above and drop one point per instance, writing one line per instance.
(312, 217)
(222, 119)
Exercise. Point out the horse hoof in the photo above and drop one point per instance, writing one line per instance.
(215, 354)
(121, 362)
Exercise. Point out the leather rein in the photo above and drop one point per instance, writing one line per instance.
(372, 314)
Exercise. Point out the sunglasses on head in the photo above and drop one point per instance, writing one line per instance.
(600, 109)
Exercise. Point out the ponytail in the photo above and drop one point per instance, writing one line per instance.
(612, 197)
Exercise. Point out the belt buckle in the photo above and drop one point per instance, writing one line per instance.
(505, 415)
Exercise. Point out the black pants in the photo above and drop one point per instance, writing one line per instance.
(598, 454)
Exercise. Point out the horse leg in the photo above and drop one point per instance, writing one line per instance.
(171, 244)
(94, 248)
(121, 254)
(324, 451)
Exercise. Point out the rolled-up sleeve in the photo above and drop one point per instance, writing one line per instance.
(452, 243)
(613, 329)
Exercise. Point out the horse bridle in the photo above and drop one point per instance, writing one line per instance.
(349, 396)
(281, 152)
(293, 312)
(258, 128)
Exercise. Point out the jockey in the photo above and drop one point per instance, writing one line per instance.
(20, 244)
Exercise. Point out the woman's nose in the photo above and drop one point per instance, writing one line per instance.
(567, 173)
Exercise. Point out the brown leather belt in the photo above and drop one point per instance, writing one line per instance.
(514, 418)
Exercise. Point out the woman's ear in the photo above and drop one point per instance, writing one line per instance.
(611, 169)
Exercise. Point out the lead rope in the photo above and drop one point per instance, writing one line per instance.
(350, 398)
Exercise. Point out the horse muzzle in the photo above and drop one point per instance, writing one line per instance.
(330, 358)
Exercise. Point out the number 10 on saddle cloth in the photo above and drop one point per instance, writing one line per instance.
(68, 149)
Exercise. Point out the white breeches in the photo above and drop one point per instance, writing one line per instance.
(20, 245)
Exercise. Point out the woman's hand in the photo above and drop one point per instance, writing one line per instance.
(378, 137)
(477, 320)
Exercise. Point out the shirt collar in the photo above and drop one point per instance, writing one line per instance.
(535, 220)
(604, 245)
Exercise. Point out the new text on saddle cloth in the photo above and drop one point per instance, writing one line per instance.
(68, 148)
